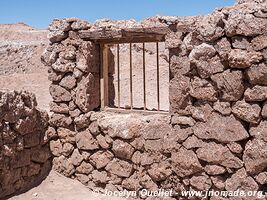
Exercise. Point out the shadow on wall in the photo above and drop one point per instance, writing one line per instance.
(25, 158)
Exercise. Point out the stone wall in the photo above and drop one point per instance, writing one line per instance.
(215, 135)
(24, 151)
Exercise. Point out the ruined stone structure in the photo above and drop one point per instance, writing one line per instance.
(24, 151)
(214, 137)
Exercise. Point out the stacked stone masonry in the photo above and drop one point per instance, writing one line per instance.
(24, 148)
(215, 136)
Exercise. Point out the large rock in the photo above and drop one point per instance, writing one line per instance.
(230, 84)
(120, 168)
(121, 126)
(58, 30)
(85, 141)
(179, 65)
(255, 156)
(59, 94)
(218, 154)
(247, 112)
(202, 52)
(221, 128)
(87, 95)
(243, 22)
(179, 93)
(258, 74)
(185, 162)
(203, 90)
(243, 59)
(256, 93)
(209, 28)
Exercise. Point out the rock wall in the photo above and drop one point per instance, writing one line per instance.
(215, 135)
(24, 155)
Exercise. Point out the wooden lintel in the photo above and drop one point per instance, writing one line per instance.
(127, 35)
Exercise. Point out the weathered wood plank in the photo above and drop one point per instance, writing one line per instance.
(127, 35)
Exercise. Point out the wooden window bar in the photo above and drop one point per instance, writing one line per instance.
(104, 76)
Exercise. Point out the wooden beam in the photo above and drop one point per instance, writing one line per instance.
(127, 35)
(104, 76)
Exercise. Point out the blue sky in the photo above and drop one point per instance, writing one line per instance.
(39, 13)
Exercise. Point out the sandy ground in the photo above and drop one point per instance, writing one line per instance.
(58, 187)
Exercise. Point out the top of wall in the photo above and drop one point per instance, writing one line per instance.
(243, 18)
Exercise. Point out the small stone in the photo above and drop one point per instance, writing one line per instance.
(202, 183)
(160, 171)
(85, 141)
(59, 94)
(67, 149)
(256, 93)
(185, 162)
(259, 131)
(76, 158)
(61, 108)
(257, 74)
(235, 147)
(203, 90)
(223, 107)
(247, 112)
(261, 178)
(120, 168)
(68, 82)
(193, 142)
(102, 142)
(56, 147)
(182, 120)
(101, 158)
(122, 149)
(66, 135)
(85, 168)
(214, 169)
(99, 177)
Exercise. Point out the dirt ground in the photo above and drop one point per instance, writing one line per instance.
(58, 187)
